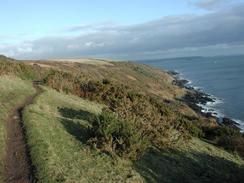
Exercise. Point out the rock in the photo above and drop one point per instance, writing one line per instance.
(231, 123)
(173, 73)
(228, 121)
(180, 82)
(209, 115)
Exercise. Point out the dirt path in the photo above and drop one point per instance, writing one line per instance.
(18, 166)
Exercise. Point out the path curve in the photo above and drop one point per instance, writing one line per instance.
(18, 166)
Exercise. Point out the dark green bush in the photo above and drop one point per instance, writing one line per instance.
(227, 137)
(223, 131)
(232, 143)
(190, 126)
(220, 131)
(114, 135)
(106, 81)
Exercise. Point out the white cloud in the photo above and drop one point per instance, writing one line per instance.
(94, 45)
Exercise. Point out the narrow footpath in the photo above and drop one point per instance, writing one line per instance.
(18, 166)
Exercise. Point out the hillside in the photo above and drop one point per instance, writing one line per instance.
(142, 78)
(104, 121)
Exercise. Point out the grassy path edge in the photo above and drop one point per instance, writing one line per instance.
(17, 161)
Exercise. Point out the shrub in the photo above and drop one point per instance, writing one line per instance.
(114, 135)
(106, 81)
(227, 137)
(235, 144)
(223, 131)
(189, 127)
(218, 132)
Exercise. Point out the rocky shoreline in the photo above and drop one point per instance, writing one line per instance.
(196, 99)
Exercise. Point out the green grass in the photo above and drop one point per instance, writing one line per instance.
(12, 92)
(196, 162)
(56, 126)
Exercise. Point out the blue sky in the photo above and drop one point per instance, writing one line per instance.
(44, 17)
(62, 28)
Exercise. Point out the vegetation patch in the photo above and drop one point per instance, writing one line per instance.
(11, 67)
(153, 117)
(112, 134)
(57, 127)
(227, 137)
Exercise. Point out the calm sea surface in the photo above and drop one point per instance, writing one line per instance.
(222, 77)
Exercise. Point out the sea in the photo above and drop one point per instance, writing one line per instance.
(222, 77)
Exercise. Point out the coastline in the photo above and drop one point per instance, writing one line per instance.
(203, 103)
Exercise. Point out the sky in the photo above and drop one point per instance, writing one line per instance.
(121, 29)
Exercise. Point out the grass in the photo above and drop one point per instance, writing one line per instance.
(13, 91)
(196, 162)
(56, 127)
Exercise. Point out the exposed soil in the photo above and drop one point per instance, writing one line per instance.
(18, 167)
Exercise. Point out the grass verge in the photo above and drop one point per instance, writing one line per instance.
(13, 91)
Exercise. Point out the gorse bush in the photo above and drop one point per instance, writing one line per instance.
(114, 135)
(220, 131)
(63, 81)
(228, 137)
(233, 143)
(190, 126)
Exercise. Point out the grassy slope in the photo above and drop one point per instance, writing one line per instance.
(13, 92)
(196, 162)
(55, 125)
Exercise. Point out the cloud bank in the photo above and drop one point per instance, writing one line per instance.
(214, 33)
